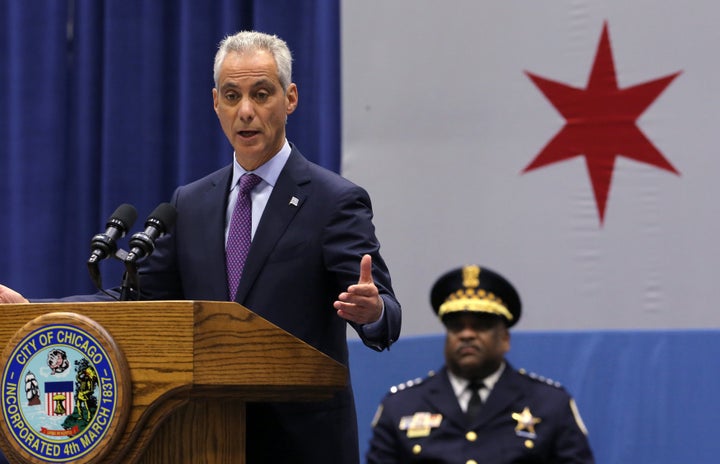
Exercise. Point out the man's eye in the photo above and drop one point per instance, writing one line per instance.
(262, 96)
(453, 327)
(231, 97)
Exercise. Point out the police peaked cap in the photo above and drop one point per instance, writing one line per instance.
(475, 289)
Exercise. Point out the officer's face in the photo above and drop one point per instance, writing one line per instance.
(475, 344)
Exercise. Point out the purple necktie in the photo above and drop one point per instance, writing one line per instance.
(239, 235)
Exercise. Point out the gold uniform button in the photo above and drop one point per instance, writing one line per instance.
(529, 444)
(471, 461)
(417, 449)
(471, 436)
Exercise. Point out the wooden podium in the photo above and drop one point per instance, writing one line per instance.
(189, 366)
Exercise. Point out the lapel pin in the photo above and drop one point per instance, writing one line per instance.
(294, 201)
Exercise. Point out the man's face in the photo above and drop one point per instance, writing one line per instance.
(252, 107)
(475, 344)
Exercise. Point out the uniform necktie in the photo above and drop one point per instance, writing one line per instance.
(239, 235)
(475, 404)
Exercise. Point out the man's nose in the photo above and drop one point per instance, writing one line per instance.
(246, 109)
(467, 331)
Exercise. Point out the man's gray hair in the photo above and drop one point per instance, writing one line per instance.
(245, 41)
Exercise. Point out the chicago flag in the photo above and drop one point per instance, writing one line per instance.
(570, 146)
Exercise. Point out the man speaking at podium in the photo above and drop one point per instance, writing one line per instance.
(312, 266)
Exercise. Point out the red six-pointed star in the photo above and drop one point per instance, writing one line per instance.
(601, 122)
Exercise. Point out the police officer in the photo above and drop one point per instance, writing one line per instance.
(478, 408)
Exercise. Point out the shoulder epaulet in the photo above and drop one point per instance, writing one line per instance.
(540, 378)
(410, 383)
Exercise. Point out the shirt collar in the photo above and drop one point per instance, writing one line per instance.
(460, 384)
(268, 171)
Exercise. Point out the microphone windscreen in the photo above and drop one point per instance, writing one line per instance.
(125, 214)
(165, 214)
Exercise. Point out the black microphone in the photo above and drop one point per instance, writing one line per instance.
(159, 222)
(103, 245)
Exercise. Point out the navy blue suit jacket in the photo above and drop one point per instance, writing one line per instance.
(444, 435)
(303, 255)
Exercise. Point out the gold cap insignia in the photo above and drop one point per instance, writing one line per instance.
(475, 289)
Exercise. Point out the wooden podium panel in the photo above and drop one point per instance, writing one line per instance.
(192, 367)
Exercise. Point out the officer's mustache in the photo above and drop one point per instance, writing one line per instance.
(465, 345)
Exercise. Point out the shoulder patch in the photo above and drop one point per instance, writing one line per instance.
(410, 383)
(377, 415)
(578, 419)
(540, 378)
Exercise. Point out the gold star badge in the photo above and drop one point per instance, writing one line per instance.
(525, 421)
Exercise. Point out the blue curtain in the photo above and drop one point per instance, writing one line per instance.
(104, 102)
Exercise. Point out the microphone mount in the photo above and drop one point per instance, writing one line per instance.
(142, 245)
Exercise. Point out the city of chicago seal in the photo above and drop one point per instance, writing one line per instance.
(60, 390)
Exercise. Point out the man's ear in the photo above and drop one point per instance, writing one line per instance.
(291, 94)
(506, 339)
(215, 99)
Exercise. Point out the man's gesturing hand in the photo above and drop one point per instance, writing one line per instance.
(361, 303)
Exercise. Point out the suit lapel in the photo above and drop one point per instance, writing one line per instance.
(285, 201)
(212, 210)
(442, 397)
(505, 393)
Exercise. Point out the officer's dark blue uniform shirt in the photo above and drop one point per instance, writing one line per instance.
(525, 419)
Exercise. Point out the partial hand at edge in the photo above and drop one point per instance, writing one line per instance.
(8, 295)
